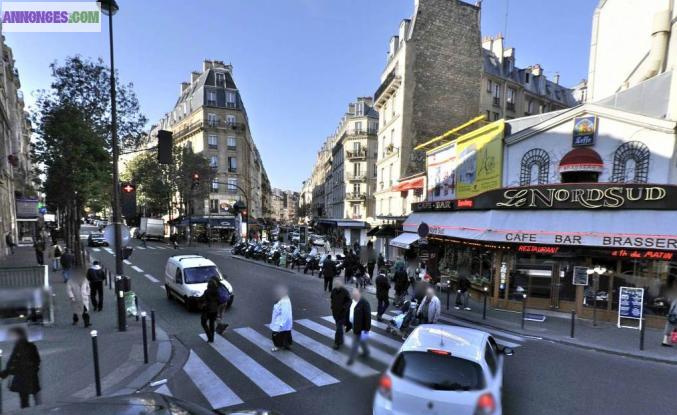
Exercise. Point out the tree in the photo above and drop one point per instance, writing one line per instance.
(73, 141)
(186, 163)
(153, 188)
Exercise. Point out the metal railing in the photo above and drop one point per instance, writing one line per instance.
(356, 196)
(358, 154)
(357, 177)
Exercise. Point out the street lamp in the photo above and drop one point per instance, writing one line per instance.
(595, 272)
(109, 8)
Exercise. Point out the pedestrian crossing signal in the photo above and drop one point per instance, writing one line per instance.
(164, 147)
(128, 199)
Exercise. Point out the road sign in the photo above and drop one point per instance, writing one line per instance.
(42, 210)
(630, 306)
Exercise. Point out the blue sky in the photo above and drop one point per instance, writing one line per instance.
(297, 62)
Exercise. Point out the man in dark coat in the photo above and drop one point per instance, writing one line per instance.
(401, 282)
(67, 260)
(23, 366)
(96, 277)
(382, 294)
(210, 308)
(463, 293)
(340, 304)
(329, 272)
(359, 318)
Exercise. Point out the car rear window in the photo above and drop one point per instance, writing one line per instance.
(199, 275)
(439, 372)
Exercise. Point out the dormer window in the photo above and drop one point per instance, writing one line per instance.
(211, 98)
(220, 79)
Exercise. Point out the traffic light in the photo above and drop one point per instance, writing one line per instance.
(196, 180)
(128, 199)
(164, 147)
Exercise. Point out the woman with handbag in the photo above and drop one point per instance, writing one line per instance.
(670, 332)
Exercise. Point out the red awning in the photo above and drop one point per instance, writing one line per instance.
(581, 159)
(415, 183)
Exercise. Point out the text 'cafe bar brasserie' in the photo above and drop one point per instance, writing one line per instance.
(528, 240)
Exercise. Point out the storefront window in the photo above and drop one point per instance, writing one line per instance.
(656, 277)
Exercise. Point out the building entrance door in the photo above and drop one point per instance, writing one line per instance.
(540, 281)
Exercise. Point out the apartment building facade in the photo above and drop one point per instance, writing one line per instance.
(210, 117)
(18, 199)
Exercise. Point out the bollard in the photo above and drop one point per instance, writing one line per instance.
(448, 295)
(145, 337)
(95, 353)
(122, 316)
(524, 309)
(484, 307)
(152, 325)
(573, 323)
(641, 334)
(0, 381)
(136, 304)
(594, 311)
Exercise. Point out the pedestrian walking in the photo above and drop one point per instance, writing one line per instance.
(463, 293)
(281, 321)
(670, 331)
(361, 276)
(96, 278)
(224, 299)
(382, 295)
(328, 272)
(210, 308)
(55, 255)
(67, 260)
(23, 365)
(356, 248)
(340, 305)
(430, 308)
(39, 247)
(349, 263)
(10, 242)
(143, 239)
(359, 318)
(174, 239)
(78, 291)
(401, 282)
(327, 246)
(370, 260)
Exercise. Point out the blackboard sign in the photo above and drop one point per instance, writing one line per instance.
(580, 276)
(630, 305)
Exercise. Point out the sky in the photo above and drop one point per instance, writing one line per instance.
(297, 63)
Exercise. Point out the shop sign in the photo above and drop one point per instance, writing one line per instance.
(564, 196)
(634, 254)
(580, 276)
(630, 305)
(27, 208)
(441, 171)
(584, 132)
(538, 249)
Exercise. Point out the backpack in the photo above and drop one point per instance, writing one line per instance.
(57, 251)
(222, 294)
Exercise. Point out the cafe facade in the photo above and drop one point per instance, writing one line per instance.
(562, 211)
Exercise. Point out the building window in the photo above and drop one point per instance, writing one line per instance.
(490, 86)
(497, 90)
(530, 107)
(213, 205)
(232, 185)
(356, 188)
(211, 98)
(220, 79)
(214, 162)
(631, 163)
(390, 175)
(230, 99)
(232, 143)
(230, 119)
(232, 165)
(383, 177)
(535, 167)
(356, 146)
(215, 186)
(359, 109)
(497, 116)
(212, 120)
(213, 141)
(510, 99)
(488, 115)
(358, 127)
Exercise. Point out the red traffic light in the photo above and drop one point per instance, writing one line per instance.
(128, 188)
(196, 176)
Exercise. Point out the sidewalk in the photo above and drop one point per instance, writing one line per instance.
(67, 370)
(605, 337)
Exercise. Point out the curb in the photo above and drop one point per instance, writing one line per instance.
(263, 264)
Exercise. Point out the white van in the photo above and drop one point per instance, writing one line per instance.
(186, 278)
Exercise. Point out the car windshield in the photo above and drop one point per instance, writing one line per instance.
(439, 372)
(199, 275)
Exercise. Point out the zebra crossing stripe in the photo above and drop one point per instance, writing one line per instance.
(217, 393)
(139, 247)
(126, 261)
(137, 269)
(109, 250)
(96, 249)
(357, 368)
(289, 359)
(151, 278)
(374, 353)
(249, 367)
(377, 338)
(151, 247)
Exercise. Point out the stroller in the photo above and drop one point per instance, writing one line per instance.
(401, 324)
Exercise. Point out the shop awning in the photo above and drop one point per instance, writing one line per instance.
(410, 184)
(405, 240)
(638, 229)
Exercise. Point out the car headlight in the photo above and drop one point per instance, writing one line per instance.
(195, 293)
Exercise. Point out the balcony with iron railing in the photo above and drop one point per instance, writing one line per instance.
(356, 197)
(356, 177)
(359, 154)
(387, 88)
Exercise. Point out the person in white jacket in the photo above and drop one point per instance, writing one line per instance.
(281, 321)
(78, 291)
(429, 310)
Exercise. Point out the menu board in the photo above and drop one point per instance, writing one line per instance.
(580, 276)
(630, 305)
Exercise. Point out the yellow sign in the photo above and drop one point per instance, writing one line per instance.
(479, 158)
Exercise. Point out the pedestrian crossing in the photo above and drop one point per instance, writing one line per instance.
(240, 366)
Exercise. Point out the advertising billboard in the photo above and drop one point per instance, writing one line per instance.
(479, 160)
(441, 170)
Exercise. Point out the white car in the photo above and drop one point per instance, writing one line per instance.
(443, 369)
(317, 240)
(186, 278)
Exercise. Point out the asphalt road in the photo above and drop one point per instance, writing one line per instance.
(541, 378)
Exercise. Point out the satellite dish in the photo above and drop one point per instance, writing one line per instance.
(109, 235)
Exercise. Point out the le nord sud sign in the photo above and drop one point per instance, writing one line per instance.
(564, 196)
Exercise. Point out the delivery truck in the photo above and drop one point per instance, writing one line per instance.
(152, 228)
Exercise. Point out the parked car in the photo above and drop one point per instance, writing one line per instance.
(96, 239)
(317, 240)
(186, 278)
(443, 370)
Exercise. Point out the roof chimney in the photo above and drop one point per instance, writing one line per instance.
(537, 70)
(556, 78)
(207, 64)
